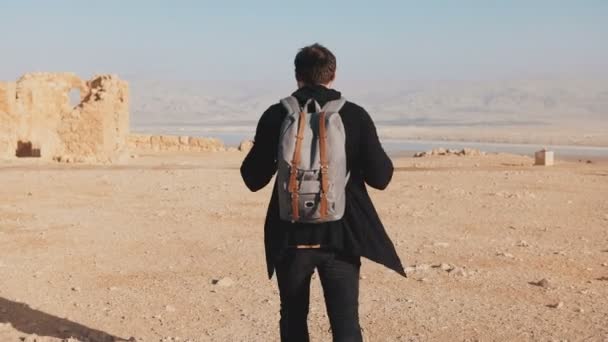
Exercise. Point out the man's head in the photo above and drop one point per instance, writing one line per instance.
(315, 64)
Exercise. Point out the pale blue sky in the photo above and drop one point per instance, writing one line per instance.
(257, 40)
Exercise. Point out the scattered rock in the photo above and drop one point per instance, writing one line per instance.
(444, 266)
(245, 145)
(523, 243)
(224, 282)
(440, 151)
(458, 271)
(544, 283)
(557, 305)
(63, 329)
(504, 254)
(422, 267)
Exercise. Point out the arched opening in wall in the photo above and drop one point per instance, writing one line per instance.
(25, 149)
(74, 97)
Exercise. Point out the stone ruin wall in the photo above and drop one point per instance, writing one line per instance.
(38, 120)
(171, 143)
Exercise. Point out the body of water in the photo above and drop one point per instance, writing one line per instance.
(407, 147)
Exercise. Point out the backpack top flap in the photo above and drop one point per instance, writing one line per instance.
(293, 106)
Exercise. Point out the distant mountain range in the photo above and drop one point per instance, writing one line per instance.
(221, 105)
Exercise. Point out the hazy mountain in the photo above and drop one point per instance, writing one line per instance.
(196, 106)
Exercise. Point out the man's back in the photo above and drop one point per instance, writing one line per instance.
(360, 230)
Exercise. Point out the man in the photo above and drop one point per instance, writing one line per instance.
(334, 248)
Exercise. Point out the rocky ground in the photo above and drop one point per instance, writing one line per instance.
(169, 248)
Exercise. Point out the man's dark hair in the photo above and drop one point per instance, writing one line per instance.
(315, 64)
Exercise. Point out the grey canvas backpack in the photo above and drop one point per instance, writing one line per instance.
(312, 172)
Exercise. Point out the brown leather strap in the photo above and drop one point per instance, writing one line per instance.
(324, 163)
(295, 163)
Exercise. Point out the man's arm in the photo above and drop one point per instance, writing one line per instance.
(377, 166)
(260, 163)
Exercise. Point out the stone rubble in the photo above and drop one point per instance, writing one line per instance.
(167, 143)
(440, 151)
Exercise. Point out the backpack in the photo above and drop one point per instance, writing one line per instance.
(311, 171)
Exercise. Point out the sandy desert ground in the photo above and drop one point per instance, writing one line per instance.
(169, 248)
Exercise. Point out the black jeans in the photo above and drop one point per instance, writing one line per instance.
(339, 276)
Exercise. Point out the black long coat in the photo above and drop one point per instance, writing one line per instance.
(360, 231)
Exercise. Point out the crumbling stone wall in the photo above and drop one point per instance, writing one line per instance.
(36, 115)
(172, 143)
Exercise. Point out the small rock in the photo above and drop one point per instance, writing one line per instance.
(523, 243)
(504, 254)
(544, 283)
(76, 289)
(441, 244)
(245, 145)
(605, 264)
(557, 305)
(581, 310)
(422, 267)
(446, 267)
(224, 282)
(458, 271)
(170, 308)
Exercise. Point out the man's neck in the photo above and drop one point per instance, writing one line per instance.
(302, 85)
